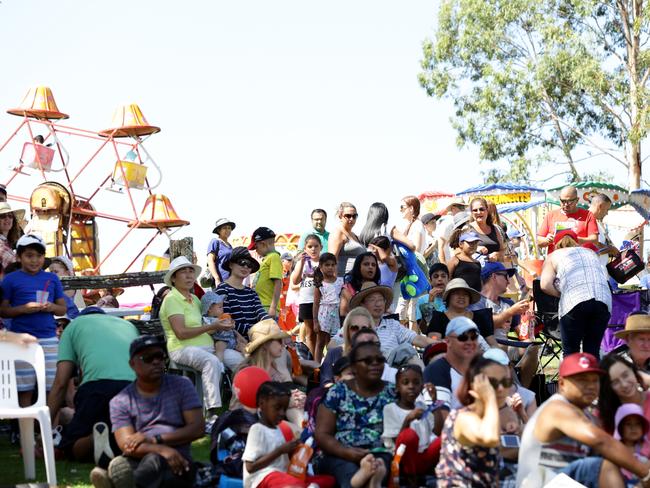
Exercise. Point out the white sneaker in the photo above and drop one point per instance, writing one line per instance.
(101, 443)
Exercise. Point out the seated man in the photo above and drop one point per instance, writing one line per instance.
(155, 419)
(506, 315)
(392, 334)
(563, 437)
(98, 345)
(447, 372)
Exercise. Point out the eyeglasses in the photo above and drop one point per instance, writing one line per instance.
(154, 356)
(505, 382)
(371, 360)
(244, 263)
(350, 216)
(569, 201)
(466, 336)
(478, 209)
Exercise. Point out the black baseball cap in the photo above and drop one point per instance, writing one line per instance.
(145, 341)
(260, 234)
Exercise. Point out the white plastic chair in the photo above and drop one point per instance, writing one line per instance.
(10, 409)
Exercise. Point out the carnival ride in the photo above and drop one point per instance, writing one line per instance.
(72, 171)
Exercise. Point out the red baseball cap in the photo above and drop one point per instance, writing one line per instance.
(578, 363)
(564, 233)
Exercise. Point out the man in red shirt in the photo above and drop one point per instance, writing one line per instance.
(568, 216)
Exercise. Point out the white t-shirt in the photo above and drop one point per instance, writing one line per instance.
(444, 230)
(262, 440)
(416, 232)
(394, 416)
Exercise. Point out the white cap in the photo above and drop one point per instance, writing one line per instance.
(30, 239)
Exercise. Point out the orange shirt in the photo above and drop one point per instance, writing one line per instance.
(581, 221)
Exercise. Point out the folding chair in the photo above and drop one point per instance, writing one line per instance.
(10, 409)
(546, 313)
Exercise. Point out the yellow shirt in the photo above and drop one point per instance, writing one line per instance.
(270, 269)
(176, 304)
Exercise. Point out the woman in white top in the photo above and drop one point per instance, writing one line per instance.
(413, 235)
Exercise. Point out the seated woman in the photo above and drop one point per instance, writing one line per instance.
(350, 423)
(457, 297)
(471, 434)
(188, 340)
(266, 350)
(358, 318)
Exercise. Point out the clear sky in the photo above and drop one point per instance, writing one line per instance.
(267, 108)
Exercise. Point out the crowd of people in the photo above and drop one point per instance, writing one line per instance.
(382, 386)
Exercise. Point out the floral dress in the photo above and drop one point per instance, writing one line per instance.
(359, 420)
(461, 466)
(328, 313)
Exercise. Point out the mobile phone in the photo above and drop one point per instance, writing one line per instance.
(509, 440)
(378, 450)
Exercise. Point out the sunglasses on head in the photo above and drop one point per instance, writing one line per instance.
(150, 358)
(369, 360)
(467, 336)
(350, 216)
(244, 263)
(505, 382)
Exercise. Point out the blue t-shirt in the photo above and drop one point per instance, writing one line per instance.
(645, 281)
(20, 288)
(221, 251)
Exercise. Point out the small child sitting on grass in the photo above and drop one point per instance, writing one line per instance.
(266, 457)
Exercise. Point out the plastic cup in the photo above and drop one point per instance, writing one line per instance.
(42, 296)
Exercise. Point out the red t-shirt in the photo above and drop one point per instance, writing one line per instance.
(581, 221)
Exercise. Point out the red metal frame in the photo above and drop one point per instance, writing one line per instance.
(104, 143)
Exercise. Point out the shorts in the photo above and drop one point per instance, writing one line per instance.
(25, 374)
(585, 471)
(306, 311)
(227, 336)
(91, 406)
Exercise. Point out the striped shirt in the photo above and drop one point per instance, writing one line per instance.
(581, 277)
(243, 305)
(392, 334)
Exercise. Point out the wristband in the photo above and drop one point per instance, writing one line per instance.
(159, 439)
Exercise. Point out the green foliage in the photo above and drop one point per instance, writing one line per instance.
(534, 81)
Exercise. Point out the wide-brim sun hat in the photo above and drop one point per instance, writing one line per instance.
(18, 213)
(262, 332)
(461, 284)
(221, 222)
(368, 288)
(179, 263)
(633, 324)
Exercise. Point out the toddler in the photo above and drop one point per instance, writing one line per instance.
(212, 309)
(631, 430)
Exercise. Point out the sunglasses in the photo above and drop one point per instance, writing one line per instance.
(505, 382)
(370, 360)
(350, 216)
(244, 263)
(567, 202)
(467, 336)
(505, 275)
(355, 327)
(479, 209)
(154, 356)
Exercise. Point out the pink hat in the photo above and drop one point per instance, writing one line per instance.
(625, 411)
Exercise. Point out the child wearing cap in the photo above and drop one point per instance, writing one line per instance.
(462, 264)
(211, 310)
(268, 282)
(32, 297)
(631, 430)
(62, 266)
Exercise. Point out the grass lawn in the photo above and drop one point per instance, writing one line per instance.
(68, 473)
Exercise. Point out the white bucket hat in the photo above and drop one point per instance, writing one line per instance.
(179, 263)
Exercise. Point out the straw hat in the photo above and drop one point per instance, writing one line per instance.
(461, 284)
(263, 332)
(368, 288)
(6, 208)
(634, 323)
(179, 263)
